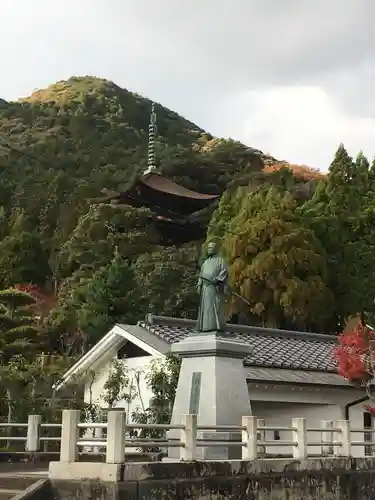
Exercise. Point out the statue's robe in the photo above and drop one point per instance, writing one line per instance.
(211, 286)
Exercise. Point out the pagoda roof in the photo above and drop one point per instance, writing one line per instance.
(163, 197)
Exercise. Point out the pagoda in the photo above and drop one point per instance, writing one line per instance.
(175, 210)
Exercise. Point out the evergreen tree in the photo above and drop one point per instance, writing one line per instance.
(371, 175)
(228, 208)
(277, 264)
(340, 178)
(110, 297)
(103, 228)
(17, 324)
(176, 267)
(361, 177)
(18, 343)
(340, 215)
(22, 258)
(346, 185)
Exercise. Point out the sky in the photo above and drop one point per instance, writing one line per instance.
(293, 78)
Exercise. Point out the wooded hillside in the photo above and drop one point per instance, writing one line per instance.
(58, 149)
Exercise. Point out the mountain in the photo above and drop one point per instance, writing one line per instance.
(61, 146)
(72, 139)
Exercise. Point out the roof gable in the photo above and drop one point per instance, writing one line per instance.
(108, 346)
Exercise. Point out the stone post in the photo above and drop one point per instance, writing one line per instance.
(69, 436)
(115, 453)
(33, 433)
(188, 450)
(249, 438)
(299, 437)
(327, 437)
(344, 438)
(261, 437)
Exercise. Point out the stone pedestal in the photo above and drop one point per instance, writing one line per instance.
(212, 384)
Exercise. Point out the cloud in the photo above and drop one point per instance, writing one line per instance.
(353, 89)
(253, 42)
(219, 63)
(304, 125)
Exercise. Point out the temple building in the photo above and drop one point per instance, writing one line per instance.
(289, 374)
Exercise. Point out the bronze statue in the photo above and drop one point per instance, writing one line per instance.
(212, 285)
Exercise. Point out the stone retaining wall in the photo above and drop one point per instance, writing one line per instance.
(277, 479)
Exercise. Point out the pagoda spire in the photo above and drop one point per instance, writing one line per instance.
(151, 142)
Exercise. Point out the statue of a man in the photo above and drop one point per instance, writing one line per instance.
(212, 284)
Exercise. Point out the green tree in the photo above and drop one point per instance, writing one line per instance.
(371, 175)
(98, 232)
(344, 189)
(361, 177)
(229, 206)
(118, 386)
(110, 297)
(17, 324)
(22, 258)
(162, 379)
(18, 343)
(341, 215)
(177, 267)
(277, 264)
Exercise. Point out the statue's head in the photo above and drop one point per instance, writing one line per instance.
(211, 248)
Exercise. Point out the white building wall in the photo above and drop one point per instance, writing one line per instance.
(277, 405)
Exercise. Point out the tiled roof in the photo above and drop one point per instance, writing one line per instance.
(271, 348)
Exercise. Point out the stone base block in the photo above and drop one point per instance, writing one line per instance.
(72, 471)
(212, 385)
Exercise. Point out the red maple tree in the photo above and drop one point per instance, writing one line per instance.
(355, 355)
(30, 288)
(43, 302)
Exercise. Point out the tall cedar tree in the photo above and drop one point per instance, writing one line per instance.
(341, 216)
(277, 264)
(110, 297)
(18, 343)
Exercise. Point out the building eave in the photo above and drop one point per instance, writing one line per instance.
(255, 374)
(108, 346)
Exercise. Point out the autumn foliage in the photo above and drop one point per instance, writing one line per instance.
(31, 289)
(299, 171)
(43, 302)
(355, 355)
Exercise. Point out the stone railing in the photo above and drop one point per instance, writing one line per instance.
(31, 433)
(335, 438)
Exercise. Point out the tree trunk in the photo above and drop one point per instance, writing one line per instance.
(10, 415)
